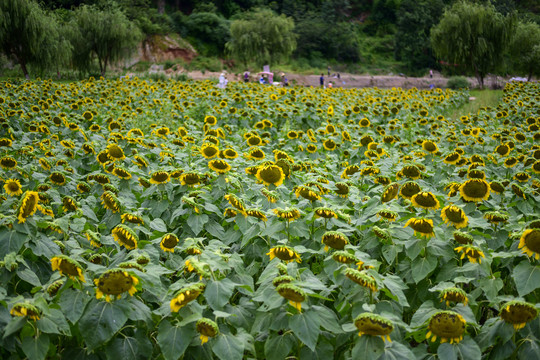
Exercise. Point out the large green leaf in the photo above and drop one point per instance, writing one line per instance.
(10, 241)
(397, 351)
(73, 303)
(447, 351)
(228, 347)
(422, 267)
(174, 340)
(100, 322)
(526, 277)
(368, 347)
(306, 326)
(196, 222)
(277, 347)
(217, 293)
(124, 348)
(36, 347)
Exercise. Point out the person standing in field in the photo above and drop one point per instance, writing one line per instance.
(321, 80)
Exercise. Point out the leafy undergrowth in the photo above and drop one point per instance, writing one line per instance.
(172, 220)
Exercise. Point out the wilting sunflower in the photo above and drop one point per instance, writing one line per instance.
(270, 174)
(448, 326)
(67, 266)
(256, 213)
(284, 253)
(518, 313)
(430, 146)
(271, 196)
(390, 192)
(13, 187)
(125, 236)
(307, 192)
(344, 257)
(190, 179)
(454, 215)
(236, 202)
(93, 238)
(293, 293)
(168, 242)
(219, 166)
(283, 279)
(289, 214)
(132, 218)
(473, 253)
(186, 295)
(113, 283)
(454, 294)
(115, 152)
(349, 171)
(474, 190)
(373, 325)
(121, 172)
(529, 243)
(411, 171)
(8, 163)
(382, 233)
(342, 189)
(25, 309)
(462, 237)
(334, 239)
(159, 177)
(362, 278)
(421, 226)
(425, 200)
(495, 217)
(452, 158)
(28, 205)
(206, 328)
(388, 215)
(325, 212)
(110, 201)
(409, 189)
(69, 203)
(57, 178)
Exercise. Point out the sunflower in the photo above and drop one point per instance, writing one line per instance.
(284, 253)
(390, 192)
(502, 150)
(307, 192)
(473, 253)
(256, 213)
(411, 171)
(409, 189)
(462, 237)
(8, 163)
(382, 234)
(334, 239)
(421, 226)
(93, 238)
(362, 278)
(529, 243)
(448, 326)
(219, 166)
(329, 145)
(289, 214)
(125, 236)
(168, 242)
(67, 266)
(293, 293)
(28, 205)
(236, 202)
(121, 172)
(160, 177)
(511, 162)
(364, 122)
(495, 217)
(454, 294)
(25, 309)
(69, 203)
(454, 215)
(282, 279)
(349, 171)
(57, 178)
(474, 190)
(209, 150)
(373, 325)
(430, 146)
(255, 153)
(325, 212)
(110, 201)
(13, 187)
(271, 196)
(518, 313)
(522, 177)
(190, 179)
(388, 215)
(206, 327)
(185, 296)
(114, 282)
(452, 158)
(115, 152)
(344, 257)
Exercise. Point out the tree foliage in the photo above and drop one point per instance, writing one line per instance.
(30, 36)
(262, 36)
(525, 49)
(474, 36)
(104, 34)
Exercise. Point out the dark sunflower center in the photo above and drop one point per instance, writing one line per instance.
(160, 176)
(518, 314)
(475, 189)
(115, 283)
(292, 295)
(532, 240)
(68, 268)
(454, 215)
(447, 326)
(411, 171)
(373, 327)
(116, 152)
(270, 174)
(13, 186)
(169, 242)
(422, 226)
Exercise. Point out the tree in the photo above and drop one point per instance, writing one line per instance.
(474, 36)
(30, 36)
(261, 36)
(525, 49)
(105, 34)
(415, 18)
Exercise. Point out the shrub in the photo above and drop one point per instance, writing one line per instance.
(458, 82)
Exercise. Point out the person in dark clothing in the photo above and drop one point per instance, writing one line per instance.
(321, 80)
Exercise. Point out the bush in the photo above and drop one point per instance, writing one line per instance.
(458, 82)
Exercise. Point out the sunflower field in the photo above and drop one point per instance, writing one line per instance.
(169, 220)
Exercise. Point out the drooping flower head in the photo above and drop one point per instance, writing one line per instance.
(335, 240)
(448, 326)
(284, 253)
(425, 200)
(168, 242)
(113, 283)
(529, 243)
(473, 253)
(293, 293)
(373, 325)
(475, 190)
(25, 309)
(186, 295)
(125, 236)
(453, 215)
(67, 266)
(28, 205)
(207, 329)
(362, 278)
(454, 294)
(421, 226)
(518, 313)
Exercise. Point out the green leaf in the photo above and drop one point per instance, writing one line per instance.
(158, 225)
(228, 347)
(217, 293)
(526, 277)
(277, 347)
(396, 286)
(174, 340)
(397, 351)
(424, 312)
(100, 322)
(328, 318)
(73, 303)
(36, 348)
(422, 267)
(368, 347)
(529, 350)
(468, 349)
(447, 351)
(123, 349)
(29, 276)
(196, 222)
(306, 326)
(14, 325)
(11, 241)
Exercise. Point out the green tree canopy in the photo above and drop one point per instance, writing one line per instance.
(105, 34)
(30, 36)
(261, 36)
(474, 36)
(525, 49)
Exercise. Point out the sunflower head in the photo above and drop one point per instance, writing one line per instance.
(270, 174)
(529, 242)
(373, 325)
(284, 253)
(453, 215)
(473, 253)
(288, 214)
(518, 313)
(168, 242)
(455, 295)
(13, 187)
(114, 282)
(334, 239)
(421, 226)
(474, 190)
(28, 205)
(448, 326)
(293, 293)
(186, 295)
(207, 329)
(390, 192)
(362, 278)
(344, 257)
(67, 266)
(125, 236)
(26, 309)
